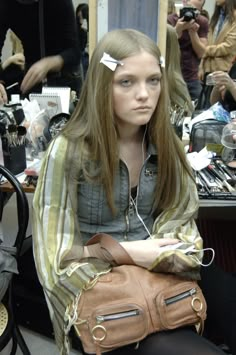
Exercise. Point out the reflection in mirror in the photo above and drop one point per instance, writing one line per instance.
(82, 20)
(149, 17)
(138, 14)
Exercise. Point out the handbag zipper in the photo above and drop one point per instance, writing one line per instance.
(180, 296)
(116, 316)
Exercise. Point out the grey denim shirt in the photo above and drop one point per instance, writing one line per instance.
(133, 220)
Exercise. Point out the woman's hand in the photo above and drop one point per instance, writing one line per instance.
(223, 80)
(201, 74)
(3, 95)
(145, 252)
(35, 75)
(39, 70)
(182, 25)
(17, 59)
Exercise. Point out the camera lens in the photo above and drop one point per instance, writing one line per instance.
(188, 16)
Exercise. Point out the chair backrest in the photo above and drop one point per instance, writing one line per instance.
(22, 207)
(9, 257)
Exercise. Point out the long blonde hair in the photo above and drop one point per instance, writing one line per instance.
(171, 7)
(92, 128)
(178, 90)
(230, 8)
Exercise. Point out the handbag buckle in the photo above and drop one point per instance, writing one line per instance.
(196, 304)
(101, 329)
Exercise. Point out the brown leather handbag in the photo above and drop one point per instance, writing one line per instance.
(130, 302)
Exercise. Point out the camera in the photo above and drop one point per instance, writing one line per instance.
(189, 13)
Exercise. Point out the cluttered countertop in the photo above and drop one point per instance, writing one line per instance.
(210, 145)
(26, 128)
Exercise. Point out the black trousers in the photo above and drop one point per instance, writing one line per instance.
(183, 341)
(219, 288)
(204, 97)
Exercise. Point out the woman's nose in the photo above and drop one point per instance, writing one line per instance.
(142, 91)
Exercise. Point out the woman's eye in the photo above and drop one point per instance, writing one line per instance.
(125, 82)
(154, 81)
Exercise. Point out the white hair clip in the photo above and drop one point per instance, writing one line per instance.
(162, 61)
(110, 62)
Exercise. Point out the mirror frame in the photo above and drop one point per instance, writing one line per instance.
(99, 8)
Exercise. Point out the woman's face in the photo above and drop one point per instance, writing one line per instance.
(197, 3)
(136, 89)
(80, 17)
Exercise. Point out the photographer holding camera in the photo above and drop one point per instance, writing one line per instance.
(192, 31)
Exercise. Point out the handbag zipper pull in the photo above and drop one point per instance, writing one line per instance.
(116, 316)
(180, 296)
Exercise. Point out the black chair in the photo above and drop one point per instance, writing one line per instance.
(9, 329)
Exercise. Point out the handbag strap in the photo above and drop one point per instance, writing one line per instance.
(119, 254)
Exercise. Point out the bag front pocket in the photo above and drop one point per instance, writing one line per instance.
(181, 305)
(118, 325)
(180, 296)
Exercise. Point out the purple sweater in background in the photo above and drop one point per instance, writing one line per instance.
(189, 59)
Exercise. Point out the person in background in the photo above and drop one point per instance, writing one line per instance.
(192, 37)
(12, 69)
(171, 7)
(180, 101)
(177, 87)
(62, 56)
(199, 4)
(120, 169)
(224, 89)
(221, 48)
(82, 18)
(205, 13)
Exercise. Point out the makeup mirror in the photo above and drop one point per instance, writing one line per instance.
(149, 17)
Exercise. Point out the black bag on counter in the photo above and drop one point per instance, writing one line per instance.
(205, 132)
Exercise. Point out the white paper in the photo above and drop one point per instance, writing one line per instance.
(63, 93)
(200, 160)
(50, 103)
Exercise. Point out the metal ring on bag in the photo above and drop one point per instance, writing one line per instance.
(194, 302)
(101, 328)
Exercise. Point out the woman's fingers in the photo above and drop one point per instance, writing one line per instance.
(3, 95)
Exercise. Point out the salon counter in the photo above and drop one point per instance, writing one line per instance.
(217, 209)
(7, 187)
